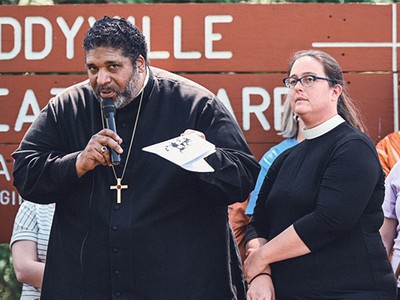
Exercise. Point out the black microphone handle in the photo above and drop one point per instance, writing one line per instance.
(110, 122)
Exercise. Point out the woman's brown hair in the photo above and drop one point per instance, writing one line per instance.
(346, 107)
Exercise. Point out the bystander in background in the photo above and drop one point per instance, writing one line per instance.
(389, 151)
(28, 244)
(291, 131)
(390, 230)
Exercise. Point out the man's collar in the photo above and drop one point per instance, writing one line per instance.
(146, 80)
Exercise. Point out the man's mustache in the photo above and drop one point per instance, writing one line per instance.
(103, 88)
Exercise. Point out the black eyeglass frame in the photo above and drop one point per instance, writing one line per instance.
(299, 79)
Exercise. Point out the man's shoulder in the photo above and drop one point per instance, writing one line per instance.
(83, 86)
(183, 82)
(81, 91)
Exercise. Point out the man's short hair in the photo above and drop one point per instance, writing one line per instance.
(116, 33)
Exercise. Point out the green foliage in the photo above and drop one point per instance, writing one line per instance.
(8, 2)
(10, 288)
(328, 1)
(178, 1)
(145, 1)
(80, 1)
(14, 2)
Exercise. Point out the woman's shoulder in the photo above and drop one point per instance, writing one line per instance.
(346, 134)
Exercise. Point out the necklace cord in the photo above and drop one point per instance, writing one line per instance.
(132, 138)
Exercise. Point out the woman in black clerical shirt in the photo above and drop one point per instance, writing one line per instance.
(314, 233)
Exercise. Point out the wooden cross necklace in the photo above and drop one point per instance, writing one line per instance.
(119, 186)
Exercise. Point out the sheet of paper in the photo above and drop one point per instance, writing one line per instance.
(186, 151)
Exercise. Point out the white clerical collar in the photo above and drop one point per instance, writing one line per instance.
(145, 80)
(325, 127)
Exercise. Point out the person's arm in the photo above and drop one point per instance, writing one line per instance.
(235, 168)
(26, 265)
(284, 246)
(258, 227)
(388, 229)
(344, 195)
(264, 163)
(91, 156)
(261, 286)
(388, 232)
(43, 168)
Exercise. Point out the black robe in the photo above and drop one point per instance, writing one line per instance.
(170, 236)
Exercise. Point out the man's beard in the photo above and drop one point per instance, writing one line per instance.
(127, 95)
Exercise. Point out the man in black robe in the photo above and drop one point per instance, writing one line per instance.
(167, 236)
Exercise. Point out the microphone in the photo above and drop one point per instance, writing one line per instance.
(109, 110)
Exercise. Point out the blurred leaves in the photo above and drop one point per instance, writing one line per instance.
(10, 288)
(46, 2)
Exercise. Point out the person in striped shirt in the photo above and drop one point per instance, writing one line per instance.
(29, 246)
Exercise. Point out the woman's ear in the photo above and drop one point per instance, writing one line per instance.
(337, 91)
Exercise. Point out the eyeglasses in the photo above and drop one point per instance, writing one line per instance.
(306, 81)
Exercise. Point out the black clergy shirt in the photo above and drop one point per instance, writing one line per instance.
(331, 189)
(170, 237)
